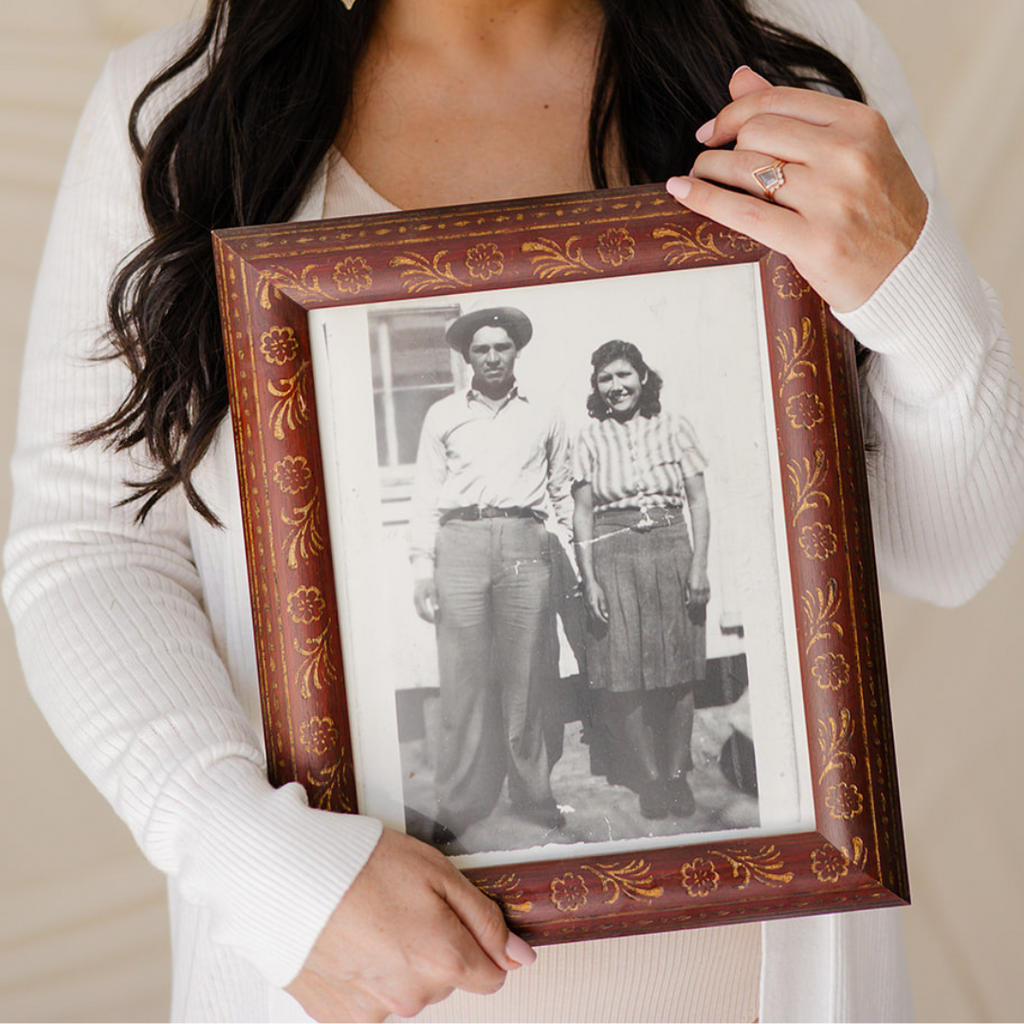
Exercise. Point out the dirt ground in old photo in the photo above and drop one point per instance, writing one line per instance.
(594, 809)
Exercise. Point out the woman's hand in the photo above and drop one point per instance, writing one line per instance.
(698, 587)
(850, 208)
(595, 600)
(409, 931)
(583, 538)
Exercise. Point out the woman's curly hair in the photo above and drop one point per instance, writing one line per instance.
(650, 380)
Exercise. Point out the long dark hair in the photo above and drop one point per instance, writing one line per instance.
(650, 380)
(242, 146)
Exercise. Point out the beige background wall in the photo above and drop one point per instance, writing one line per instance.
(82, 923)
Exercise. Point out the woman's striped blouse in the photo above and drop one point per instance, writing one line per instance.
(637, 464)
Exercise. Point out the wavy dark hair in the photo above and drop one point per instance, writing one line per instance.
(650, 380)
(244, 143)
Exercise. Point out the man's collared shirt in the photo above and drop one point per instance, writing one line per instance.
(514, 455)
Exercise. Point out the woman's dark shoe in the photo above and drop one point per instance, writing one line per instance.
(654, 799)
(680, 797)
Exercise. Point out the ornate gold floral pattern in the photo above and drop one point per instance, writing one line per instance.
(834, 739)
(318, 735)
(292, 474)
(681, 246)
(615, 247)
(844, 801)
(485, 261)
(699, 877)
(805, 410)
(632, 880)
(818, 541)
(831, 671)
(763, 865)
(794, 349)
(507, 889)
(740, 243)
(352, 275)
(306, 605)
(318, 669)
(292, 406)
(277, 279)
(329, 788)
(550, 259)
(420, 274)
(857, 854)
(279, 345)
(305, 537)
(821, 609)
(788, 283)
(808, 479)
(569, 892)
(829, 864)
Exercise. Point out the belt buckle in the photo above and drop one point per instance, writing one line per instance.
(473, 513)
(645, 523)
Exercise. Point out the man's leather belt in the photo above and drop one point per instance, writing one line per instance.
(471, 513)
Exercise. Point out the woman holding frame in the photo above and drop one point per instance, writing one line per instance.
(125, 566)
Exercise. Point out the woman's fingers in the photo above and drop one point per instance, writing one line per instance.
(698, 590)
(846, 207)
(410, 930)
(596, 602)
(754, 97)
(736, 168)
(484, 921)
(844, 262)
(772, 225)
(746, 80)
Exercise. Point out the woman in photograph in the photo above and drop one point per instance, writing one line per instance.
(637, 473)
(125, 566)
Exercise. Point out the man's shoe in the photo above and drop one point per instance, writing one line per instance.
(654, 799)
(442, 835)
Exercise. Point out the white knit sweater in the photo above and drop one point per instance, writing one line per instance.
(137, 642)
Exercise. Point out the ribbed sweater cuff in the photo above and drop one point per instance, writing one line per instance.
(930, 318)
(269, 869)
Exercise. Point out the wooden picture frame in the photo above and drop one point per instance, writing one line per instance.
(848, 851)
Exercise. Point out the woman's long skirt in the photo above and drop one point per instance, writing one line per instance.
(652, 639)
(645, 660)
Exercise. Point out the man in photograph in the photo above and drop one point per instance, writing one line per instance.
(492, 465)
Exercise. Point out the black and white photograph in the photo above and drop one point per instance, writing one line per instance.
(563, 599)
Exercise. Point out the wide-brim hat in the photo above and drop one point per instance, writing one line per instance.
(515, 322)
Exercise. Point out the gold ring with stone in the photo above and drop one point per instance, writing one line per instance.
(770, 178)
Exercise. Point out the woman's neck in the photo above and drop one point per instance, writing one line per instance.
(461, 101)
(471, 30)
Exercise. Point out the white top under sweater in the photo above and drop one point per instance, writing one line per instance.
(137, 641)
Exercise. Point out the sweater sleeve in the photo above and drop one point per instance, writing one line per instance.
(940, 395)
(109, 616)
